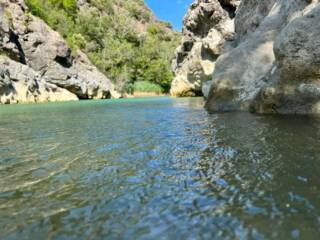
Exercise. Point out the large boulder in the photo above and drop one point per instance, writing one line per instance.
(274, 67)
(294, 83)
(267, 62)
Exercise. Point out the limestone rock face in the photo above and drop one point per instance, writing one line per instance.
(207, 33)
(294, 83)
(43, 52)
(275, 66)
(268, 63)
(21, 84)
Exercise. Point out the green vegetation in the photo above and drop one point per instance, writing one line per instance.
(121, 37)
(144, 86)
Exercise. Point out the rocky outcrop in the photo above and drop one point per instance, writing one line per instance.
(207, 33)
(293, 83)
(275, 66)
(20, 84)
(272, 64)
(41, 67)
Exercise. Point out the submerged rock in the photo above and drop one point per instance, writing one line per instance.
(41, 51)
(270, 65)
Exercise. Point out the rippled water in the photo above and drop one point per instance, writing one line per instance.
(156, 168)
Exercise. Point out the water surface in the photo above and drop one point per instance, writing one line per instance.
(157, 168)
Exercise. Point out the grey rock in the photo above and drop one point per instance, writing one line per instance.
(268, 63)
(208, 31)
(296, 78)
(241, 73)
(21, 84)
(30, 41)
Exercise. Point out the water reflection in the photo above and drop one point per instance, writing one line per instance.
(264, 170)
(157, 168)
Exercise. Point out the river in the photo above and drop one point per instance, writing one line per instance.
(156, 168)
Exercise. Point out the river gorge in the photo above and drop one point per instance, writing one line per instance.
(156, 168)
(224, 144)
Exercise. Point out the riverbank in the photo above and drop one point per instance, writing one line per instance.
(59, 98)
(148, 94)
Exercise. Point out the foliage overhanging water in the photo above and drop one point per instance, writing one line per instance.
(156, 168)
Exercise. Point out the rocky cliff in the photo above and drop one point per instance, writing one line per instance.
(122, 38)
(271, 64)
(36, 64)
(208, 32)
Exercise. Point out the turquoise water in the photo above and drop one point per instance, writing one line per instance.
(156, 168)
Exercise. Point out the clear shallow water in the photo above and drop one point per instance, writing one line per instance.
(156, 168)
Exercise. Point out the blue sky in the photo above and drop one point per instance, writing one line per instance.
(170, 10)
